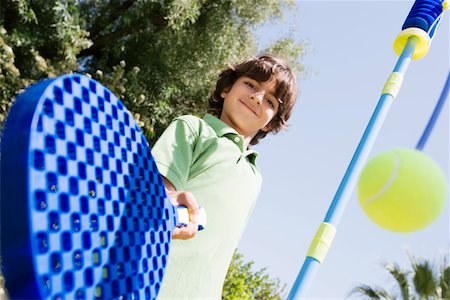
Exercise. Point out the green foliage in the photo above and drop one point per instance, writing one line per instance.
(242, 282)
(423, 281)
(10, 80)
(290, 50)
(161, 57)
(37, 41)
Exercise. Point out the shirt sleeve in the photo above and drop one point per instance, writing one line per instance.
(173, 152)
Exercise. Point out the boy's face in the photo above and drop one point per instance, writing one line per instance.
(249, 105)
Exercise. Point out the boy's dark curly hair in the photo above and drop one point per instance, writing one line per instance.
(261, 69)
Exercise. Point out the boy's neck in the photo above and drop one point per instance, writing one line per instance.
(247, 141)
(247, 137)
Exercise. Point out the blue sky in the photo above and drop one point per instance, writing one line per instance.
(350, 57)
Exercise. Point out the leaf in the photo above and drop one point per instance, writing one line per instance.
(423, 278)
(401, 277)
(372, 293)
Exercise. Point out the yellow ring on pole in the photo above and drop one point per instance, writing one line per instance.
(422, 46)
(393, 84)
(322, 242)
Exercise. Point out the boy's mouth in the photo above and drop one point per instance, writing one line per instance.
(248, 107)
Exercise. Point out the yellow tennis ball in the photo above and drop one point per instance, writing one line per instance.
(402, 190)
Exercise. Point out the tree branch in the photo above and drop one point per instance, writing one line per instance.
(113, 15)
(102, 41)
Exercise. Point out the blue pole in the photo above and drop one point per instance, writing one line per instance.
(342, 196)
(362, 152)
(437, 110)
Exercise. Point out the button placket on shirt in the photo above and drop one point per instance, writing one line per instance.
(238, 141)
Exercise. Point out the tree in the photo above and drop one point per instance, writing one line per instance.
(161, 57)
(424, 281)
(242, 282)
(37, 40)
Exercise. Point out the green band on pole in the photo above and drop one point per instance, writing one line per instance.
(322, 242)
(393, 84)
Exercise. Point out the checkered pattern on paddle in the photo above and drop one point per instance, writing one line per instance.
(100, 221)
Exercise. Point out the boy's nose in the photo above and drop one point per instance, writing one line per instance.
(258, 97)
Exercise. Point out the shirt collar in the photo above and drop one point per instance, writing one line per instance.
(252, 155)
(219, 126)
(223, 129)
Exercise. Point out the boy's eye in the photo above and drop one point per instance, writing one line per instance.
(270, 102)
(250, 85)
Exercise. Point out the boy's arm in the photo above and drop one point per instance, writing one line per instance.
(188, 200)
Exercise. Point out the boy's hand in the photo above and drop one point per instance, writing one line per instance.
(186, 199)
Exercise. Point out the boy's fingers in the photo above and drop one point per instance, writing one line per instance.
(187, 199)
(185, 232)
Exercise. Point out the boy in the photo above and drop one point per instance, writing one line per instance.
(210, 158)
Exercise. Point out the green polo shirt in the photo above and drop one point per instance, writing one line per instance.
(207, 158)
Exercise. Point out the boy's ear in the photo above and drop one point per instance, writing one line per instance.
(267, 128)
(225, 92)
